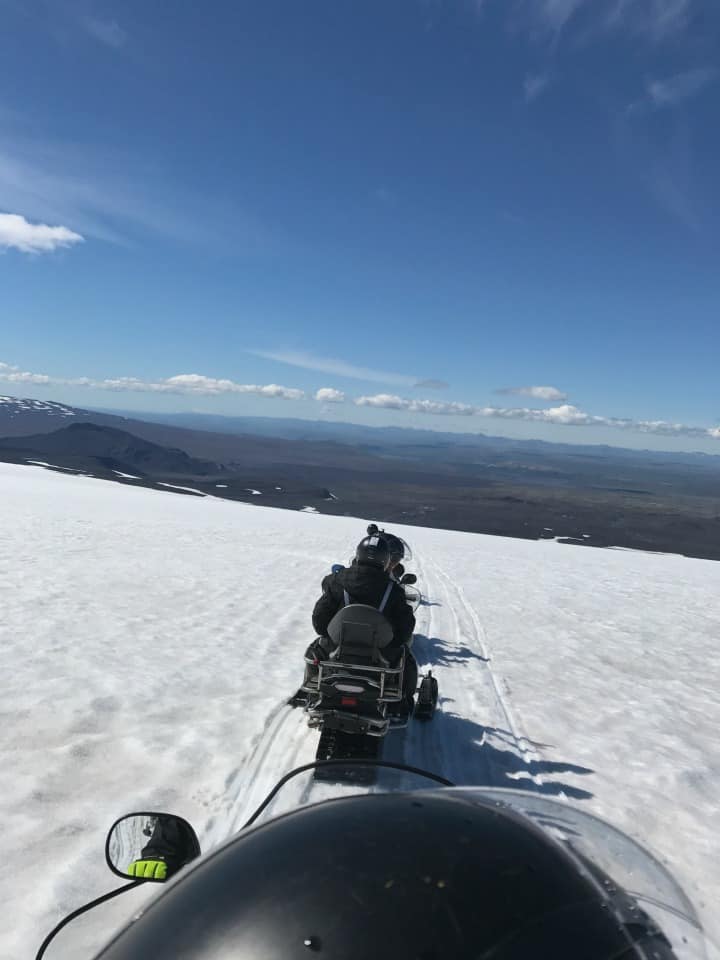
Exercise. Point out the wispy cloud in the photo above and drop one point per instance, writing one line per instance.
(533, 85)
(330, 395)
(115, 196)
(654, 20)
(309, 361)
(108, 32)
(679, 87)
(672, 91)
(657, 20)
(563, 415)
(556, 14)
(538, 393)
(431, 385)
(18, 233)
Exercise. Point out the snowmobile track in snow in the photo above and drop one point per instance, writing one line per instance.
(277, 750)
(474, 712)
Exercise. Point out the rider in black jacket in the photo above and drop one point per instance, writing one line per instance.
(366, 581)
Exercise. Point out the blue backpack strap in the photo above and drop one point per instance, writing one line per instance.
(386, 596)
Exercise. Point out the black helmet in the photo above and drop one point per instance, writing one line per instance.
(373, 551)
(428, 875)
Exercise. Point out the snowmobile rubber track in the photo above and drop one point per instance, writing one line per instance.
(336, 745)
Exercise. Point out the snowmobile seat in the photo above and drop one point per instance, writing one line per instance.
(359, 633)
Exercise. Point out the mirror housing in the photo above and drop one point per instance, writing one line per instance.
(150, 846)
(408, 578)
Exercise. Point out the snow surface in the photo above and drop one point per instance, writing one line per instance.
(147, 656)
(126, 476)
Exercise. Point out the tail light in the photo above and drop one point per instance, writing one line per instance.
(348, 701)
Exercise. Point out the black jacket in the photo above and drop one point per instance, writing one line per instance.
(365, 584)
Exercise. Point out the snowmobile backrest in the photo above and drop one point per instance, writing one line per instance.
(359, 631)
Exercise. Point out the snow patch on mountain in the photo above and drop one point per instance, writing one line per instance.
(14, 405)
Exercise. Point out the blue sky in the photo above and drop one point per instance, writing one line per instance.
(498, 216)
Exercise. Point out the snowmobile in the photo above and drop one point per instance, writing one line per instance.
(216, 905)
(353, 695)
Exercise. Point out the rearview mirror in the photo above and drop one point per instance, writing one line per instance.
(408, 578)
(150, 846)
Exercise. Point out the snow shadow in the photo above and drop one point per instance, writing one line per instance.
(468, 754)
(435, 652)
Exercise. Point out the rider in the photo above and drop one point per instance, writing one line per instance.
(433, 874)
(366, 581)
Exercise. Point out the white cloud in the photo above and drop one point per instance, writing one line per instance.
(563, 415)
(309, 361)
(330, 395)
(16, 232)
(538, 393)
(568, 414)
(681, 86)
(391, 402)
(184, 383)
(533, 85)
(195, 383)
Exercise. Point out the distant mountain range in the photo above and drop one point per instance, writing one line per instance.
(20, 417)
(380, 438)
(597, 496)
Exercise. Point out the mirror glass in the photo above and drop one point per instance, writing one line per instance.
(150, 846)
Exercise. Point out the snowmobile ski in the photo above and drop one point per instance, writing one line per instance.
(298, 699)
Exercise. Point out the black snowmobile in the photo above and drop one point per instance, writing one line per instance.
(353, 694)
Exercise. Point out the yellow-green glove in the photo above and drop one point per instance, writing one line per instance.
(148, 869)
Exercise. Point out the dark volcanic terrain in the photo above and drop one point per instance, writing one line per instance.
(596, 496)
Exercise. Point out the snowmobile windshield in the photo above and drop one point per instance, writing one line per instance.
(407, 552)
(632, 868)
(336, 779)
(413, 596)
